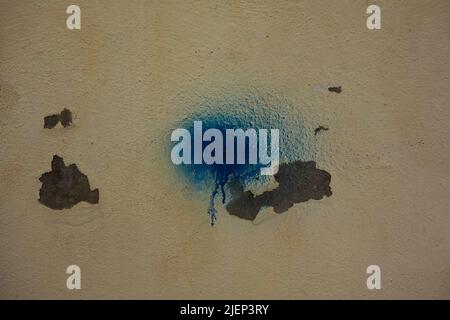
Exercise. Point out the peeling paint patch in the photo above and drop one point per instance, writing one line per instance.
(335, 89)
(65, 186)
(298, 182)
(65, 117)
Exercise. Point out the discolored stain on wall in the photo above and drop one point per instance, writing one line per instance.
(298, 182)
(8, 96)
(65, 186)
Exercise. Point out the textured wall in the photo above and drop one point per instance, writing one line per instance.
(136, 66)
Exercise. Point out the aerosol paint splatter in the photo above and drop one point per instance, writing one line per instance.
(257, 111)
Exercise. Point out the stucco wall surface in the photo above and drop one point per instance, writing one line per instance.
(135, 67)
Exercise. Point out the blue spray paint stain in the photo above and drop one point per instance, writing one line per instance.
(252, 111)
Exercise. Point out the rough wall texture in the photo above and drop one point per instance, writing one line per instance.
(129, 72)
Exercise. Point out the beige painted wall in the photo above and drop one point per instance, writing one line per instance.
(128, 73)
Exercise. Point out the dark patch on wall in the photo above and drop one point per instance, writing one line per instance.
(65, 117)
(298, 182)
(320, 128)
(335, 89)
(65, 186)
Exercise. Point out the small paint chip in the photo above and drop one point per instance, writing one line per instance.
(320, 128)
(65, 117)
(335, 89)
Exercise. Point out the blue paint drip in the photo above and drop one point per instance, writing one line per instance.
(220, 173)
(212, 208)
(243, 113)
